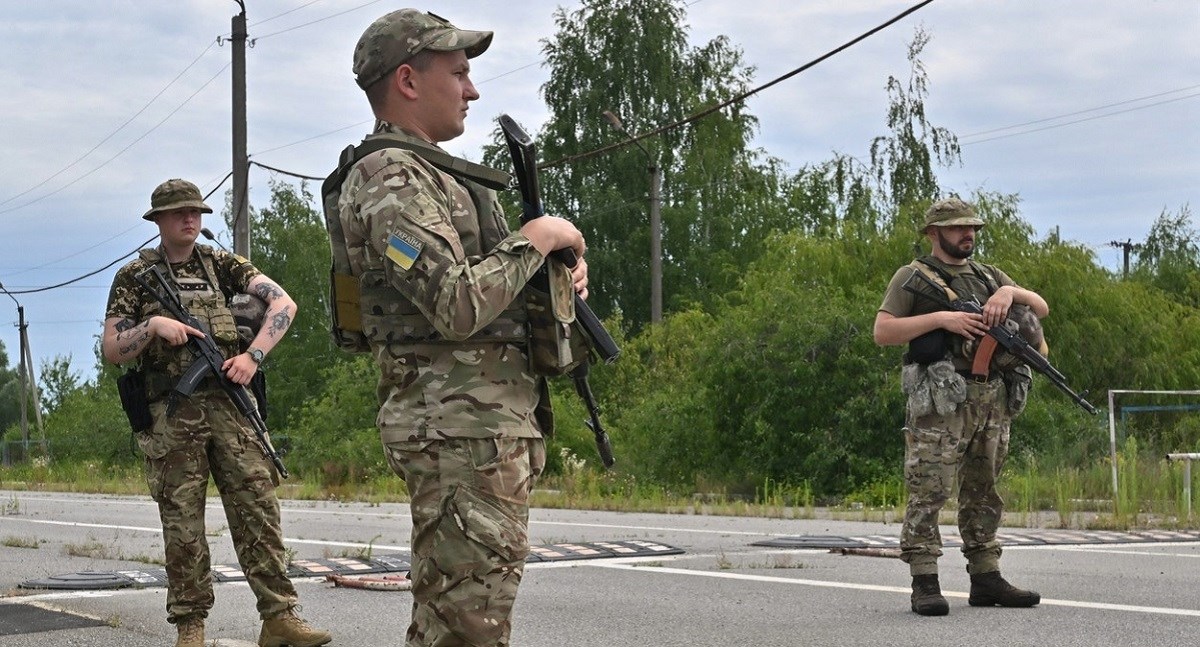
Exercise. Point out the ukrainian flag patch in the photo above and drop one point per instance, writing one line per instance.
(403, 249)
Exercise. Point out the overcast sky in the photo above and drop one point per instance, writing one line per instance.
(1089, 109)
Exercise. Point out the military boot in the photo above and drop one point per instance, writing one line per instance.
(989, 589)
(289, 630)
(927, 597)
(191, 632)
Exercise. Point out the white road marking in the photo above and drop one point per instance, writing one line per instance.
(1078, 604)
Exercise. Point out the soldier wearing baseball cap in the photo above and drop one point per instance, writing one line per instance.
(395, 38)
(410, 226)
(175, 194)
(950, 405)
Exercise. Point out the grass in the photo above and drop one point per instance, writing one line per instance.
(20, 542)
(1069, 495)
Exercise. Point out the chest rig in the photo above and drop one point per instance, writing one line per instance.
(365, 307)
(196, 281)
(975, 283)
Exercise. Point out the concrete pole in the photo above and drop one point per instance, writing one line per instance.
(241, 163)
(655, 244)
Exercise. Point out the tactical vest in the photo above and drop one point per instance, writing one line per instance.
(366, 308)
(205, 299)
(977, 283)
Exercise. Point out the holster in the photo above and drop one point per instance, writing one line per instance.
(132, 388)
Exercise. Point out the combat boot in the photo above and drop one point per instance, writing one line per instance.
(289, 630)
(927, 597)
(989, 589)
(191, 632)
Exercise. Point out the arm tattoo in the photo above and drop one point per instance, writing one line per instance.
(124, 324)
(280, 322)
(268, 291)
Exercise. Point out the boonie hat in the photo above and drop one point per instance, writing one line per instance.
(951, 212)
(398, 36)
(175, 194)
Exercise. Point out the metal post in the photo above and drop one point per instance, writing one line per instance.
(1187, 477)
(23, 375)
(1112, 446)
(241, 163)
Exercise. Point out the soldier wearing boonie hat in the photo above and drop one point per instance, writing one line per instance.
(945, 409)
(188, 440)
(413, 228)
(175, 194)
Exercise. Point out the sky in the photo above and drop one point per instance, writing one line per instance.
(1088, 109)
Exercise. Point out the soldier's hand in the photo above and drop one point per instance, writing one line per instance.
(579, 278)
(240, 368)
(550, 233)
(995, 311)
(172, 331)
(966, 324)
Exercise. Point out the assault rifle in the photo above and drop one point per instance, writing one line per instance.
(1000, 336)
(524, 157)
(207, 362)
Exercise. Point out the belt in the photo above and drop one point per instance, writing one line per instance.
(978, 379)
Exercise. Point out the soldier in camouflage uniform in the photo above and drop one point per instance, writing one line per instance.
(957, 424)
(462, 415)
(204, 434)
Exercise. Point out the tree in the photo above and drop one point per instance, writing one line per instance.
(1169, 259)
(57, 382)
(291, 246)
(631, 57)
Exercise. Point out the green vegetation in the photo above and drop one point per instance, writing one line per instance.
(761, 391)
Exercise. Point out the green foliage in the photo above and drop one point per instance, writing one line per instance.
(332, 436)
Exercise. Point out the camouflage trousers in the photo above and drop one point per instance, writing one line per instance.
(967, 446)
(207, 435)
(470, 516)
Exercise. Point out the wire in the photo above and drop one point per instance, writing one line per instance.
(284, 31)
(122, 151)
(94, 272)
(280, 15)
(741, 97)
(1077, 121)
(283, 172)
(113, 133)
(80, 278)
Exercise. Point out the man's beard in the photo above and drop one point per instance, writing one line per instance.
(952, 251)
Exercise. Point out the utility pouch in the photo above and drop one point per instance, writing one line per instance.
(556, 342)
(1017, 382)
(132, 388)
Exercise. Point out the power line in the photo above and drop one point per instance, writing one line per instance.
(118, 260)
(122, 151)
(307, 24)
(113, 133)
(1079, 121)
(736, 99)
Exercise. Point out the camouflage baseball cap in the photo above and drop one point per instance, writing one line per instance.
(951, 212)
(393, 39)
(174, 194)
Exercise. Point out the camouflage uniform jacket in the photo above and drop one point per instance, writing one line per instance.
(204, 282)
(442, 303)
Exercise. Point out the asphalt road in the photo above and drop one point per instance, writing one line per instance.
(721, 592)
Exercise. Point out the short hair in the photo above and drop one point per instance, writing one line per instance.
(377, 92)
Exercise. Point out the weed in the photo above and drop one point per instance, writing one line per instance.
(19, 542)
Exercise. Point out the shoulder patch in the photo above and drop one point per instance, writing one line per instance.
(403, 249)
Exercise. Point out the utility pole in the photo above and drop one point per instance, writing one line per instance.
(27, 382)
(655, 220)
(241, 162)
(1126, 247)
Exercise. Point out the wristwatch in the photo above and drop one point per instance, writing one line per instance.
(255, 354)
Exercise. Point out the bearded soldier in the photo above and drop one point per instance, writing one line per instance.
(958, 415)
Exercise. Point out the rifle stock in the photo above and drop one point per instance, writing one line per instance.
(208, 361)
(1004, 338)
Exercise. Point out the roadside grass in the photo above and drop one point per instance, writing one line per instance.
(1043, 493)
